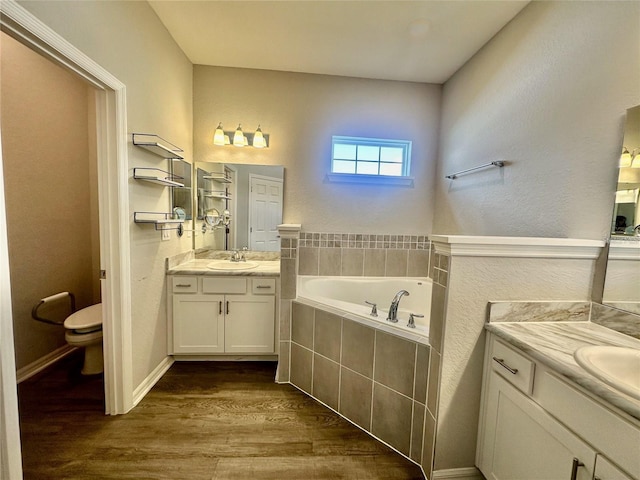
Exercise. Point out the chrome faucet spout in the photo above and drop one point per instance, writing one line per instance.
(393, 308)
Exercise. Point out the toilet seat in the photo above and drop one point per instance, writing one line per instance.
(85, 321)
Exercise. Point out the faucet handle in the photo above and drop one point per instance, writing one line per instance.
(412, 317)
(374, 308)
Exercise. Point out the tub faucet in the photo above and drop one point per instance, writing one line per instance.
(393, 309)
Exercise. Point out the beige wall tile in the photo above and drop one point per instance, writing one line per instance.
(327, 335)
(436, 319)
(422, 373)
(357, 350)
(417, 432)
(283, 362)
(434, 382)
(352, 262)
(374, 262)
(428, 443)
(285, 319)
(396, 264)
(326, 381)
(418, 263)
(302, 324)
(355, 398)
(288, 278)
(395, 362)
(301, 367)
(308, 261)
(391, 418)
(330, 261)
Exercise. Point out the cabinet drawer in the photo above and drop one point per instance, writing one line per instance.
(182, 284)
(224, 285)
(263, 286)
(513, 366)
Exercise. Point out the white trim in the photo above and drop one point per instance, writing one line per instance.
(113, 183)
(516, 247)
(289, 230)
(148, 383)
(40, 364)
(10, 452)
(381, 180)
(624, 250)
(470, 473)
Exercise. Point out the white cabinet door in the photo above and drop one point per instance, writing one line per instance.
(198, 324)
(605, 470)
(249, 323)
(523, 442)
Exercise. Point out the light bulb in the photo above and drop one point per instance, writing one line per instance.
(258, 139)
(218, 135)
(238, 137)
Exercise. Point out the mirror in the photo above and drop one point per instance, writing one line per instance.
(622, 281)
(181, 196)
(237, 206)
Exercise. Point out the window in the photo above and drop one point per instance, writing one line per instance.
(369, 157)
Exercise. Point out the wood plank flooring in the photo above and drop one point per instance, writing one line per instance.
(203, 420)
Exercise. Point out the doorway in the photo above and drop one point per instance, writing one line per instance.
(109, 101)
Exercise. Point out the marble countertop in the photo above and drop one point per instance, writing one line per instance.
(554, 343)
(265, 268)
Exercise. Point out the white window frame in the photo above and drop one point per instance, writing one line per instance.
(404, 180)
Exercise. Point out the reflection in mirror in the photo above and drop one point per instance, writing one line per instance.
(240, 204)
(181, 196)
(622, 281)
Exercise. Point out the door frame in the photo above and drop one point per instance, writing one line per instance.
(111, 134)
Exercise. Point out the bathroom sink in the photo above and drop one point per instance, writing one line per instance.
(618, 367)
(228, 265)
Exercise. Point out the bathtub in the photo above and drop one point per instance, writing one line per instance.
(346, 296)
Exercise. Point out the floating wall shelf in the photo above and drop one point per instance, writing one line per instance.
(155, 175)
(157, 145)
(218, 177)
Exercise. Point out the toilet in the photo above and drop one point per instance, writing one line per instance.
(84, 330)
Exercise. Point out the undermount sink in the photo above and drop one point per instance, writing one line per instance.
(229, 265)
(618, 367)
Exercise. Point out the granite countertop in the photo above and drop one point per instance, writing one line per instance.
(265, 268)
(554, 343)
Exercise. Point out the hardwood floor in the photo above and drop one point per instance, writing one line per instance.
(203, 420)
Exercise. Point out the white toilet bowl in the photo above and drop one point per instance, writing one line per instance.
(84, 330)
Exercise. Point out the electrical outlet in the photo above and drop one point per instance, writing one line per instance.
(166, 233)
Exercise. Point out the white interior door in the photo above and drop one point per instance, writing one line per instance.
(265, 212)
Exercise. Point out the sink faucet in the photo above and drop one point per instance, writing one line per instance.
(235, 256)
(393, 309)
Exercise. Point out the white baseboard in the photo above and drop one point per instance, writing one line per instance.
(148, 383)
(39, 365)
(470, 473)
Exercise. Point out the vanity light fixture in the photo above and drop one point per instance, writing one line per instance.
(630, 159)
(238, 138)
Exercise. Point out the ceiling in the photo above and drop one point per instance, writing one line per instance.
(417, 41)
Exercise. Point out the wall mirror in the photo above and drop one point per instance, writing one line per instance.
(237, 206)
(622, 281)
(181, 204)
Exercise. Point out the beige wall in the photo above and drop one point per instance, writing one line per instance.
(128, 40)
(548, 94)
(301, 112)
(49, 195)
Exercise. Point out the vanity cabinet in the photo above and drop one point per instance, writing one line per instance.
(535, 425)
(218, 315)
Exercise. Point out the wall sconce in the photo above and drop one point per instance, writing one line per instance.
(258, 139)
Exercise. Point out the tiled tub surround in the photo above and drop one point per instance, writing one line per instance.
(381, 382)
(348, 254)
